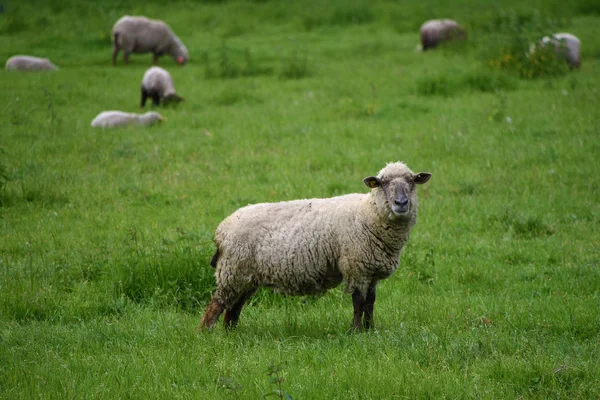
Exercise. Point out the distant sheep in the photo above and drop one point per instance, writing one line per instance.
(158, 84)
(565, 45)
(29, 63)
(309, 246)
(435, 31)
(143, 35)
(113, 119)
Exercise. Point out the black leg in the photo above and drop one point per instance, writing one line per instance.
(144, 97)
(155, 99)
(358, 301)
(369, 306)
(232, 315)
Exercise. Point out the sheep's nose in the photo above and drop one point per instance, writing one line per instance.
(402, 202)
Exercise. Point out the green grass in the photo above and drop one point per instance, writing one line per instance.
(106, 235)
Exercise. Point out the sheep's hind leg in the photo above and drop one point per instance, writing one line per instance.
(114, 55)
(358, 301)
(232, 315)
(212, 314)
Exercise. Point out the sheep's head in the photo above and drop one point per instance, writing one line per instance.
(180, 53)
(394, 189)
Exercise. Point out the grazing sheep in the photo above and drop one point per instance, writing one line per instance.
(158, 84)
(113, 119)
(565, 45)
(29, 63)
(435, 31)
(309, 246)
(143, 35)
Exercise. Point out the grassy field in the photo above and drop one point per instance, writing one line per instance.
(106, 235)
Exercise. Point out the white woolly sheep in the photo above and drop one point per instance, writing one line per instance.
(158, 84)
(144, 35)
(310, 246)
(29, 63)
(113, 119)
(565, 45)
(435, 31)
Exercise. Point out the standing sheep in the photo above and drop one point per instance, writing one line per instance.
(29, 63)
(143, 35)
(113, 119)
(565, 45)
(435, 31)
(309, 246)
(158, 84)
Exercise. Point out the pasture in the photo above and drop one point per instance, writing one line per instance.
(106, 235)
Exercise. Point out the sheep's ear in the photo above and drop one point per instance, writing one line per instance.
(372, 182)
(421, 177)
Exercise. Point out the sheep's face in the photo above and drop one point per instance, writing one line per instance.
(398, 192)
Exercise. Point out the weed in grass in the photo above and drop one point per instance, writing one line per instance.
(274, 371)
(231, 65)
(437, 85)
(498, 113)
(294, 66)
(13, 23)
(230, 385)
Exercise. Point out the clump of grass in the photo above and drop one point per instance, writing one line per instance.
(514, 56)
(294, 66)
(355, 13)
(525, 226)
(447, 84)
(484, 80)
(437, 85)
(13, 23)
(164, 275)
(231, 96)
(352, 14)
(232, 64)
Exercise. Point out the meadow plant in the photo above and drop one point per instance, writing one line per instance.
(274, 371)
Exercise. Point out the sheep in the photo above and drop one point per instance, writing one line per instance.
(435, 31)
(113, 119)
(144, 35)
(158, 84)
(565, 45)
(29, 63)
(309, 246)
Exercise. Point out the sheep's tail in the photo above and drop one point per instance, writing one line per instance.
(215, 258)
(115, 38)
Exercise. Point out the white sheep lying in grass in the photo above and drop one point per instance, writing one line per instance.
(113, 119)
(158, 85)
(309, 246)
(435, 31)
(144, 35)
(29, 63)
(565, 45)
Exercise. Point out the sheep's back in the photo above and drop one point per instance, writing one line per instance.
(292, 246)
(29, 63)
(158, 79)
(142, 35)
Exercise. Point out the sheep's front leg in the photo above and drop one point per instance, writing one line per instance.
(369, 306)
(145, 95)
(212, 314)
(359, 302)
(126, 57)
